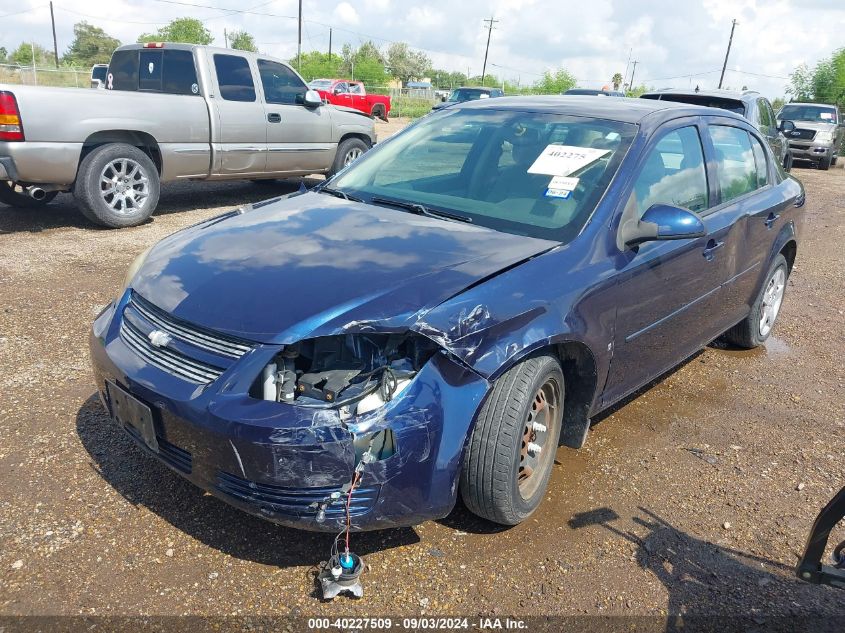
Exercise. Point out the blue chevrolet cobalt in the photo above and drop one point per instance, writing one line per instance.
(441, 315)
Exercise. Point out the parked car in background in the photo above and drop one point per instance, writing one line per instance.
(99, 72)
(438, 317)
(818, 132)
(169, 112)
(352, 94)
(592, 92)
(748, 103)
(466, 93)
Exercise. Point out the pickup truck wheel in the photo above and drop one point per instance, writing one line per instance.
(824, 164)
(378, 112)
(348, 151)
(753, 331)
(18, 196)
(787, 163)
(117, 186)
(512, 449)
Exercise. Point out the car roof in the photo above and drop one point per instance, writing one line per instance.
(715, 92)
(487, 88)
(623, 109)
(804, 103)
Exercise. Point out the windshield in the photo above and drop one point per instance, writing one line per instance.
(534, 174)
(732, 105)
(820, 114)
(468, 94)
(320, 84)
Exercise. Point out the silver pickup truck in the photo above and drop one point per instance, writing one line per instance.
(169, 112)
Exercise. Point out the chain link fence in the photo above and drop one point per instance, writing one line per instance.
(34, 76)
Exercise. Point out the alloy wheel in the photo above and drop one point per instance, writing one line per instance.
(352, 155)
(772, 300)
(124, 186)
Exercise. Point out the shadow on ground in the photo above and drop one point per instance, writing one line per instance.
(714, 587)
(143, 481)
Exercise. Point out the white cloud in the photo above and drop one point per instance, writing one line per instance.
(669, 38)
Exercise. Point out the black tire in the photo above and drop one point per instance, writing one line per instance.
(96, 203)
(787, 163)
(13, 197)
(824, 164)
(492, 474)
(348, 150)
(748, 333)
(378, 112)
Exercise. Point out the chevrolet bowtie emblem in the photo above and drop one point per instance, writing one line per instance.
(159, 338)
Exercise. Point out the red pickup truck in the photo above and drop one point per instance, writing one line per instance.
(352, 95)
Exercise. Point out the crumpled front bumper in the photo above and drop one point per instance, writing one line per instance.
(283, 462)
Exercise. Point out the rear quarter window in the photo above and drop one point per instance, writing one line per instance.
(234, 78)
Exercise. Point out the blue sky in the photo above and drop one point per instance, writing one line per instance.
(669, 38)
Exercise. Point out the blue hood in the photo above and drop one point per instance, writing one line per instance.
(313, 265)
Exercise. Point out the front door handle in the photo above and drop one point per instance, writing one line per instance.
(711, 248)
(771, 219)
(274, 117)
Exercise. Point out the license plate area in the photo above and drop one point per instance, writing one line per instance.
(129, 411)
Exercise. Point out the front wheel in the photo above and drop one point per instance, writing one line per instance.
(824, 164)
(16, 195)
(348, 151)
(757, 326)
(117, 186)
(787, 162)
(513, 445)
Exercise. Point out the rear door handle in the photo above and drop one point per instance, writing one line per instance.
(274, 117)
(711, 248)
(771, 219)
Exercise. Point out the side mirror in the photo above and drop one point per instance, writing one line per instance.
(662, 222)
(786, 126)
(312, 99)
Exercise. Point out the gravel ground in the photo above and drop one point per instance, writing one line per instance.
(694, 497)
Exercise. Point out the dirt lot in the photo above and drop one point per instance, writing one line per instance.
(694, 497)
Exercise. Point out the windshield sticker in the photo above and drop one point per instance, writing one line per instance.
(563, 182)
(558, 193)
(562, 160)
(826, 115)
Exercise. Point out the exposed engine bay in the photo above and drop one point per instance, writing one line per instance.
(355, 373)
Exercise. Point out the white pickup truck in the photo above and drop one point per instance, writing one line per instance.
(169, 112)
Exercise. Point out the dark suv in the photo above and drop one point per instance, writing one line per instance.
(459, 95)
(748, 103)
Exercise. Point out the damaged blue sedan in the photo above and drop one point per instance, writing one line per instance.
(440, 316)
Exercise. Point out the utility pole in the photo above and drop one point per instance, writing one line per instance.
(490, 22)
(627, 66)
(631, 85)
(226, 38)
(299, 40)
(330, 43)
(55, 46)
(34, 71)
(728, 52)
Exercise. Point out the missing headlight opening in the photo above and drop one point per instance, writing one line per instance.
(355, 373)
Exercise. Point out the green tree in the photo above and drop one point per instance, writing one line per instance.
(801, 83)
(242, 41)
(23, 55)
(555, 83)
(185, 30)
(617, 81)
(91, 45)
(636, 91)
(366, 63)
(4, 54)
(405, 64)
(777, 104)
(316, 65)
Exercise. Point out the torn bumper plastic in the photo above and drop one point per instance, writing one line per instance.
(287, 463)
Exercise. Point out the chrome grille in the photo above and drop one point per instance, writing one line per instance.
(203, 339)
(165, 359)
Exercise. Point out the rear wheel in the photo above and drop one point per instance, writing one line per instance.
(379, 112)
(757, 326)
(16, 195)
(117, 186)
(348, 151)
(513, 445)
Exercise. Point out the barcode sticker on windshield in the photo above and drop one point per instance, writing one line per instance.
(562, 160)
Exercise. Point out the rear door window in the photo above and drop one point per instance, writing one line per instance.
(280, 83)
(234, 78)
(735, 164)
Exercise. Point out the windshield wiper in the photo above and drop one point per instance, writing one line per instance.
(337, 193)
(419, 209)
